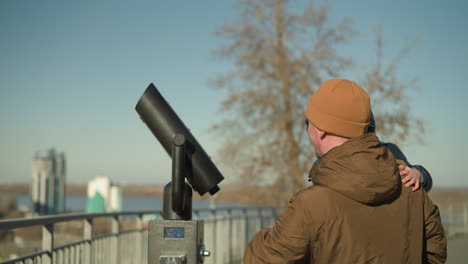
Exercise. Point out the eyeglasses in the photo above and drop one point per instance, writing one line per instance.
(307, 124)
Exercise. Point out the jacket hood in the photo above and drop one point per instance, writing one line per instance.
(361, 169)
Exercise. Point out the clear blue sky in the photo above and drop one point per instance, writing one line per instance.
(71, 73)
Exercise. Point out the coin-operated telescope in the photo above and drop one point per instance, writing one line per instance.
(177, 238)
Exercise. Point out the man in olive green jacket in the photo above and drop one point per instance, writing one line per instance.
(357, 210)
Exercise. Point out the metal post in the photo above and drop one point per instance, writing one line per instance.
(115, 240)
(139, 239)
(48, 243)
(88, 237)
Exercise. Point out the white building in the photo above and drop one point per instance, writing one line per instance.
(103, 196)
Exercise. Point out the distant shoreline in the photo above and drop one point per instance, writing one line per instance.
(81, 189)
(227, 193)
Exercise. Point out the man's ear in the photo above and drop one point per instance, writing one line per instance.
(322, 134)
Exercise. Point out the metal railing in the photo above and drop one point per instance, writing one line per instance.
(454, 217)
(227, 232)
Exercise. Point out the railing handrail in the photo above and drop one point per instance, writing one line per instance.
(91, 242)
(52, 219)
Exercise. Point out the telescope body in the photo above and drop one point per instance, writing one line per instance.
(164, 123)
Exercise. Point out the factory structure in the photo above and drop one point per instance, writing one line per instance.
(103, 196)
(48, 183)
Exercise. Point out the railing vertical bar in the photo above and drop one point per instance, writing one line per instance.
(213, 216)
(111, 250)
(235, 231)
(76, 254)
(246, 226)
(72, 254)
(98, 256)
(102, 250)
(70, 258)
(115, 240)
(66, 255)
(139, 239)
(98, 252)
(79, 255)
(106, 244)
(241, 236)
(124, 256)
(95, 251)
(87, 236)
(229, 235)
(48, 243)
(465, 218)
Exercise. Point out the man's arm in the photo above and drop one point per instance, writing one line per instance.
(287, 241)
(435, 244)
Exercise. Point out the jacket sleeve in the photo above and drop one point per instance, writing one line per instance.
(426, 179)
(397, 153)
(286, 242)
(435, 244)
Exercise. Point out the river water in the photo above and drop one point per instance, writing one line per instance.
(133, 203)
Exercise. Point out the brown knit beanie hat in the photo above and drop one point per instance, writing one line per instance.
(340, 107)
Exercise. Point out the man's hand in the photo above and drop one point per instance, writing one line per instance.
(410, 176)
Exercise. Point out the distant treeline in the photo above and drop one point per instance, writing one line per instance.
(81, 189)
(230, 193)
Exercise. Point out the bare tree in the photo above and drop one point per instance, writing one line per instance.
(389, 95)
(280, 57)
